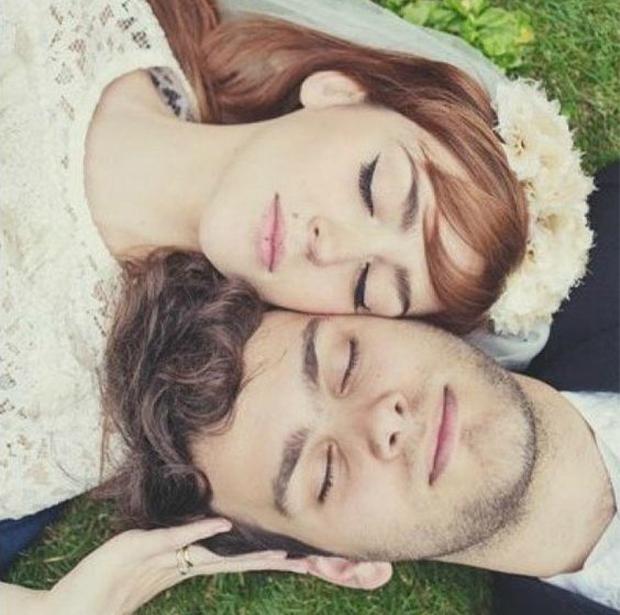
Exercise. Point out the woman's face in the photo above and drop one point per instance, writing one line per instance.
(322, 209)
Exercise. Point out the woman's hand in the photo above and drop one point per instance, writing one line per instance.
(130, 569)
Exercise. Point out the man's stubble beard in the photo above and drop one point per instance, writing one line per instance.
(480, 523)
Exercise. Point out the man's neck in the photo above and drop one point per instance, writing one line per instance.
(569, 504)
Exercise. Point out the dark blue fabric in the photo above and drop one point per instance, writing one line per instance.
(15, 536)
(516, 595)
(582, 355)
(583, 352)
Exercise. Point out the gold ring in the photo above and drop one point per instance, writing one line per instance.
(184, 563)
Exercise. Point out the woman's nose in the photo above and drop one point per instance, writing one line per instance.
(388, 426)
(330, 243)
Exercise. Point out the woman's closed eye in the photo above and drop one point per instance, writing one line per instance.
(366, 174)
(359, 293)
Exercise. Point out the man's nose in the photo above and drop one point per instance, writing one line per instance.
(331, 243)
(388, 426)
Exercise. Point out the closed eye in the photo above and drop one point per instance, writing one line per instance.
(351, 365)
(359, 293)
(328, 480)
(367, 172)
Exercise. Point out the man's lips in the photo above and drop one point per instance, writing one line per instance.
(271, 236)
(445, 437)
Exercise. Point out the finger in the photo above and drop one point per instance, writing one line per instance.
(237, 565)
(231, 565)
(176, 537)
(201, 556)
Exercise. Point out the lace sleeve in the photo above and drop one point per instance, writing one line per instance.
(59, 284)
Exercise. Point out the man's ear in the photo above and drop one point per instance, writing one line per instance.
(357, 575)
(330, 87)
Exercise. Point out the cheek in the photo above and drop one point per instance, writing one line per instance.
(492, 451)
(505, 450)
(306, 288)
(369, 512)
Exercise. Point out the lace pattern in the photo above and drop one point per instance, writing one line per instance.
(59, 284)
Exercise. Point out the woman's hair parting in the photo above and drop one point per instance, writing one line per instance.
(252, 68)
(173, 370)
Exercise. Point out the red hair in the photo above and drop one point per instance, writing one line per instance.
(252, 68)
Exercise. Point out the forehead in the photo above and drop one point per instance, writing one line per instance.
(355, 125)
(365, 120)
(277, 346)
(271, 405)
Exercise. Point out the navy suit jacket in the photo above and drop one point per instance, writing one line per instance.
(582, 355)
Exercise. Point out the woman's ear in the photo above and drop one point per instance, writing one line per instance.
(357, 575)
(330, 87)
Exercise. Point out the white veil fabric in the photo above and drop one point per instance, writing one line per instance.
(365, 23)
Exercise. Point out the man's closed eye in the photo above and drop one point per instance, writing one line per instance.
(351, 364)
(328, 478)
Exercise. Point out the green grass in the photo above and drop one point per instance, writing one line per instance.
(576, 54)
(416, 589)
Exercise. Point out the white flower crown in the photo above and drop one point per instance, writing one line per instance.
(539, 147)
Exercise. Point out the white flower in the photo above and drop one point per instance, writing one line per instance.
(552, 187)
(539, 148)
(531, 126)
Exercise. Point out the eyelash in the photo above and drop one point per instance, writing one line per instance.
(328, 480)
(367, 172)
(360, 289)
(352, 364)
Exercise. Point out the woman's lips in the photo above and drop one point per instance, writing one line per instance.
(271, 236)
(445, 437)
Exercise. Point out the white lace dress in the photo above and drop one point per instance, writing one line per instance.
(58, 281)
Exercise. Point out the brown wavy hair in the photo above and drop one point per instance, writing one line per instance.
(173, 370)
(251, 68)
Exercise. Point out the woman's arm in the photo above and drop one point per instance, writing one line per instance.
(130, 569)
(15, 599)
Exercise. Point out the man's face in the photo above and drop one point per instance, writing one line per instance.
(371, 438)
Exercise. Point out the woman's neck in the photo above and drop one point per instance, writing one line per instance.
(570, 501)
(148, 174)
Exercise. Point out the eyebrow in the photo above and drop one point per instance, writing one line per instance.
(309, 361)
(410, 206)
(293, 448)
(295, 443)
